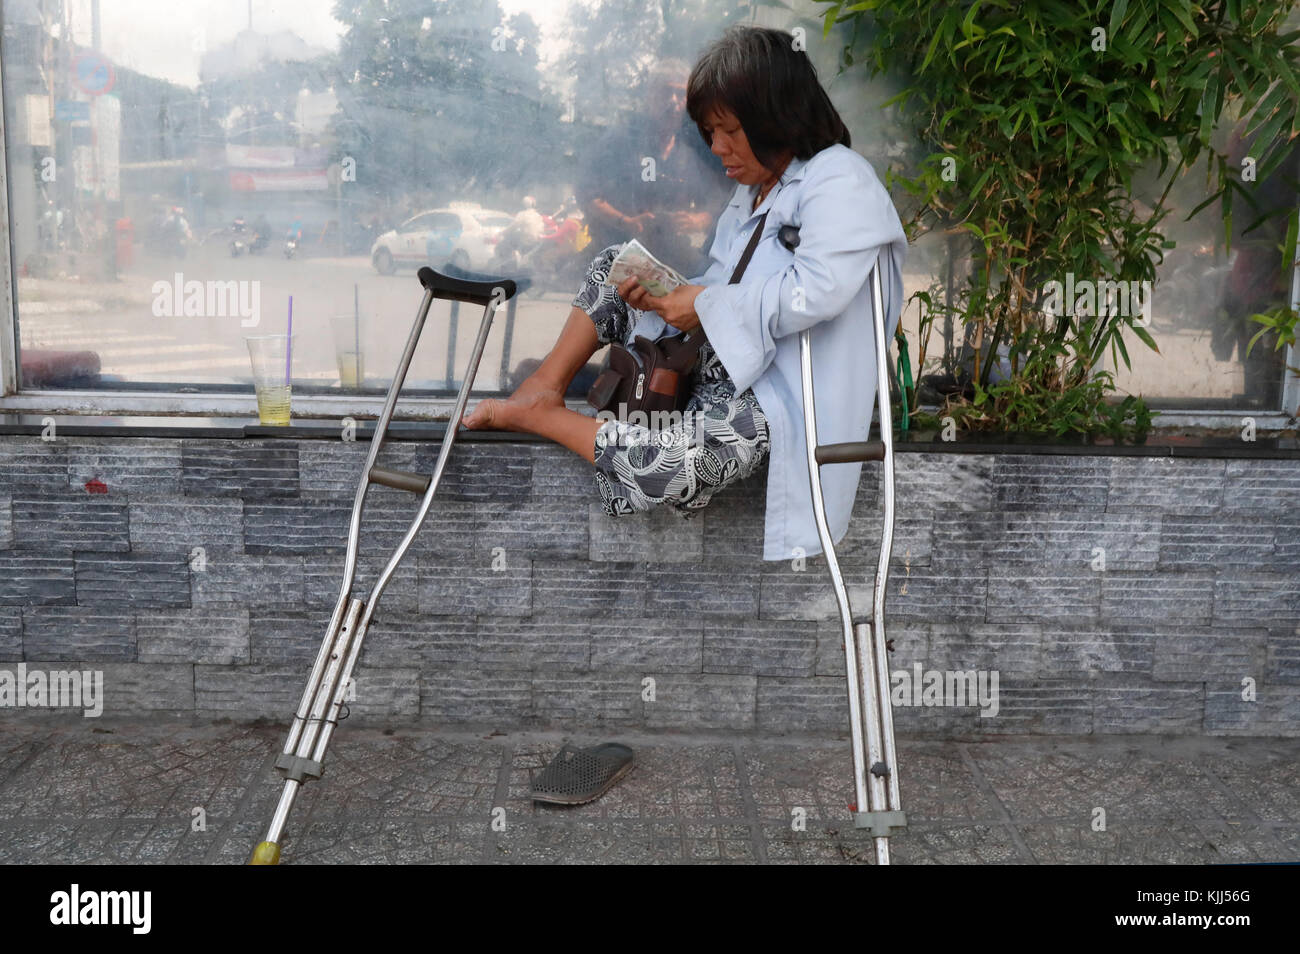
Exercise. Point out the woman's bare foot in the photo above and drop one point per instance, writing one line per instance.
(492, 414)
(495, 414)
(534, 392)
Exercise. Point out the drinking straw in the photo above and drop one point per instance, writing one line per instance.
(288, 345)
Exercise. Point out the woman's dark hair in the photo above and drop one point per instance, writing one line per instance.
(771, 87)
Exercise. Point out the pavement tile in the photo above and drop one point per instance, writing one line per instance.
(165, 791)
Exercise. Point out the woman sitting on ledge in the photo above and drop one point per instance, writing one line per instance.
(757, 102)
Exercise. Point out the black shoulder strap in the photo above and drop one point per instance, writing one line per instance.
(749, 250)
(697, 338)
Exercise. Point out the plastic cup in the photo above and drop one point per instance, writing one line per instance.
(272, 380)
(349, 349)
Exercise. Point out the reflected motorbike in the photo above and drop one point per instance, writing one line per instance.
(239, 243)
(292, 240)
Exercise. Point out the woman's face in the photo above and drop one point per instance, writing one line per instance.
(731, 146)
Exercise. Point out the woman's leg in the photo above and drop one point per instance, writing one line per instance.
(575, 346)
(575, 431)
(598, 316)
(537, 405)
(683, 465)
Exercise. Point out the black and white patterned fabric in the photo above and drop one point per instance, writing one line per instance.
(722, 437)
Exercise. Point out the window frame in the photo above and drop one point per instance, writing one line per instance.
(167, 404)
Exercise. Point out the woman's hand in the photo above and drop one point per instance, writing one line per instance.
(677, 308)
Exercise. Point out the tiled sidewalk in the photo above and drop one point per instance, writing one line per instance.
(128, 792)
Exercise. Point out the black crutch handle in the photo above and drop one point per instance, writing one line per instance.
(849, 452)
(459, 289)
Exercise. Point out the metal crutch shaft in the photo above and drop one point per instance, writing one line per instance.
(317, 714)
(871, 726)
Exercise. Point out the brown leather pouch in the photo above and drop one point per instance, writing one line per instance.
(664, 376)
(663, 381)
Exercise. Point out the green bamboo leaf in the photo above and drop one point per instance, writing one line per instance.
(1259, 334)
(1002, 51)
(1227, 218)
(979, 183)
(1261, 78)
(1183, 12)
(1119, 343)
(1152, 98)
(968, 27)
(1287, 74)
(943, 120)
(1020, 117)
(1262, 12)
(1093, 170)
(1208, 115)
(1173, 30)
(899, 98)
(1137, 24)
(1275, 100)
(1278, 152)
(934, 45)
(1146, 337)
(1080, 128)
(1116, 17)
(1289, 243)
(1266, 140)
(1243, 85)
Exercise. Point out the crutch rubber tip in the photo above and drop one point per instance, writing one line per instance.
(266, 853)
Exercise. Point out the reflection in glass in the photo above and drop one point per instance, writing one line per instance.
(325, 149)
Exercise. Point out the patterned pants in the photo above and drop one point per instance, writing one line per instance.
(722, 436)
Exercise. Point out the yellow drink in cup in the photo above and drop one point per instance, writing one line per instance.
(273, 405)
(350, 332)
(270, 356)
(351, 369)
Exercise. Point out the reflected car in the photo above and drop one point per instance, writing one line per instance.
(464, 237)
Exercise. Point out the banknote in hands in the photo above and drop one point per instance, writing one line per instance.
(634, 261)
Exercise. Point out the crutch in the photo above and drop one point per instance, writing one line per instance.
(317, 715)
(875, 767)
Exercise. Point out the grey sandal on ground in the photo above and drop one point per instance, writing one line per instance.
(577, 776)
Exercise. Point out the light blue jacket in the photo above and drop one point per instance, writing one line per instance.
(846, 220)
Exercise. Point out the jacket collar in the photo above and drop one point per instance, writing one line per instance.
(742, 197)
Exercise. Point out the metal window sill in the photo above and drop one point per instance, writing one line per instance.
(1158, 444)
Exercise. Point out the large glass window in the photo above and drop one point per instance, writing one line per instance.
(179, 171)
